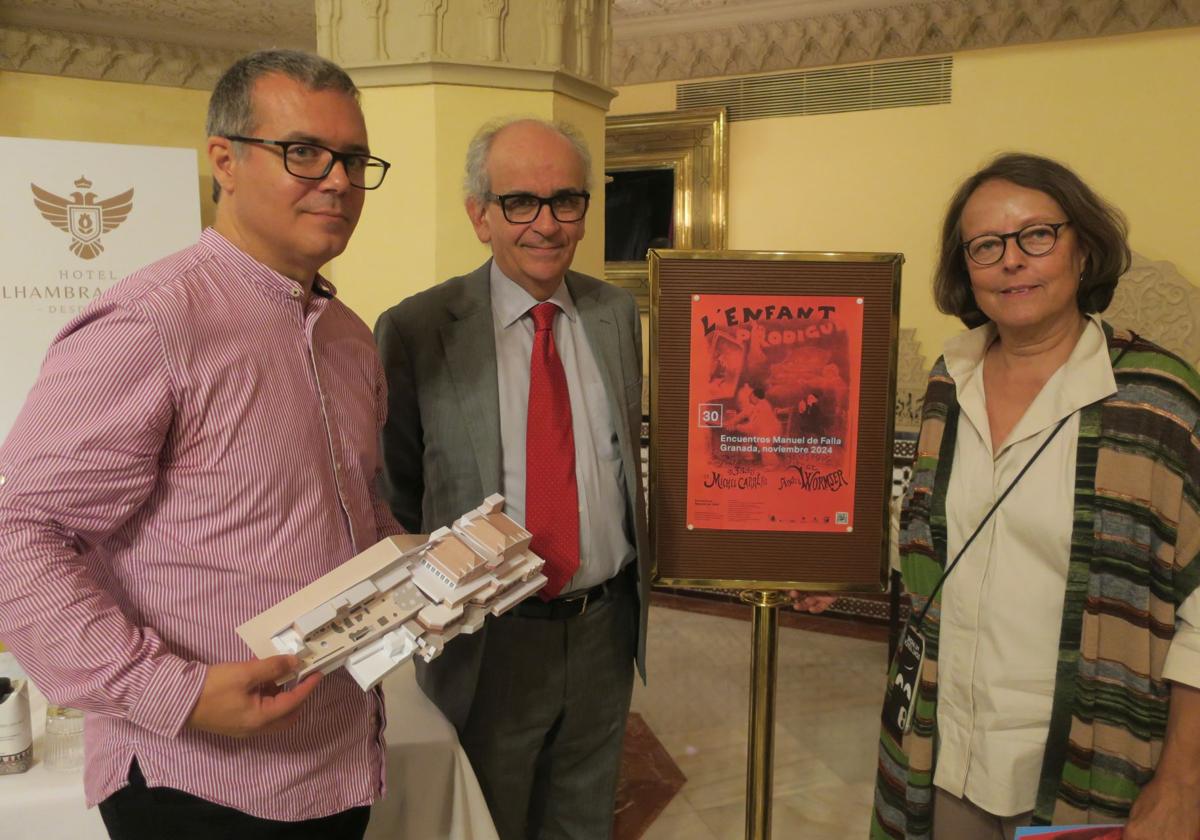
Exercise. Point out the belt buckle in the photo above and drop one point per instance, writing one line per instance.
(582, 599)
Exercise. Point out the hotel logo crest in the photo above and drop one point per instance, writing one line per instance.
(84, 218)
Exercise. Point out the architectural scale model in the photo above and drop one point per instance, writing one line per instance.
(406, 595)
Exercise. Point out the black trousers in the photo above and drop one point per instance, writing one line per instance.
(548, 718)
(137, 812)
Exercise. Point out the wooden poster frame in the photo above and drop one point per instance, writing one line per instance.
(759, 559)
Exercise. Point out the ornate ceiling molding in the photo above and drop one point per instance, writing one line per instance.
(653, 40)
(112, 59)
(146, 41)
(222, 24)
(891, 32)
(521, 41)
(639, 18)
(484, 75)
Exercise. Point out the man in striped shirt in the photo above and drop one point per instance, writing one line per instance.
(201, 442)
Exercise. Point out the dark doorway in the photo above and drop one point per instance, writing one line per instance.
(638, 213)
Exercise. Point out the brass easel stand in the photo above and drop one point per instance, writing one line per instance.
(765, 630)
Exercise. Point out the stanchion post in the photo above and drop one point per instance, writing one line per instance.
(760, 761)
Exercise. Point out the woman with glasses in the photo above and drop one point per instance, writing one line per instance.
(1049, 540)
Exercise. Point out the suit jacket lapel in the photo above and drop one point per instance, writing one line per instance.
(470, 346)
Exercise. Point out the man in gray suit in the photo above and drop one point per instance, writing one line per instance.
(525, 378)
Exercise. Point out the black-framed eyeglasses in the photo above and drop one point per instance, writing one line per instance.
(314, 162)
(1035, 240)
(522, 208)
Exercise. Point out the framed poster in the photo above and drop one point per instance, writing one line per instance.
(772, 384)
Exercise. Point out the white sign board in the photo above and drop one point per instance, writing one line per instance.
(74, 219)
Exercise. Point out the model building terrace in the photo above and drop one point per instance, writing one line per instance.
(405, 596)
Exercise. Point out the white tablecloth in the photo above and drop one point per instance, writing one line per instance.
(42, 803)
(432, 792)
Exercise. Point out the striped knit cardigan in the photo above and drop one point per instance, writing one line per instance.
(1134, 546)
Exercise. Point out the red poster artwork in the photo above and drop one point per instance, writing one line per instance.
(773, 393)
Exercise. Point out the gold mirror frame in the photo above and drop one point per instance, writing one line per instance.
(693, 144)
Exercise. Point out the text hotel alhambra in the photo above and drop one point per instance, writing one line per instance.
(74, 289)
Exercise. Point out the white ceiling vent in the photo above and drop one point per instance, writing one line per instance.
(865, 87)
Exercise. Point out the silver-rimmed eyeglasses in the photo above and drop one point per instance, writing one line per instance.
(1035, 240)
(314, 162)
(522, 208)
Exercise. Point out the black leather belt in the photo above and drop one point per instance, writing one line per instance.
(571, 604)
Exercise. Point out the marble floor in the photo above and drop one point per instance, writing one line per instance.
(827, 717)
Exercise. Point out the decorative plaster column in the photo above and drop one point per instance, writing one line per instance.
(431, 73)
(373, 11)
(429, 26)
(326, 20)
(554, 16)
(585, 23)
(491, 12)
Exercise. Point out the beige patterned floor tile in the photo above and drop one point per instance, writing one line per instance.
(827, 712)
(679, 821)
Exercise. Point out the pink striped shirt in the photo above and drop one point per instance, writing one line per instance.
(198, 446)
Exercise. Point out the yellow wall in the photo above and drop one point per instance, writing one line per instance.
(58, 108)
(589, 120)
(414, 231)
(402, 211)
(1123, 112)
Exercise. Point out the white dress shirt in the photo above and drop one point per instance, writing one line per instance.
(606, 540)
(1002, 605)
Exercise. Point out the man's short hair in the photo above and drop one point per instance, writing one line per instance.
(476, 183)
(231, 106)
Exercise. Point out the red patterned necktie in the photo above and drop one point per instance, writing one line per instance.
(551, 496)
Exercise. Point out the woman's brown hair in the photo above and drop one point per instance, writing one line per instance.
(1100, 227)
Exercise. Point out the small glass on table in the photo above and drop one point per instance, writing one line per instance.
(64, 739)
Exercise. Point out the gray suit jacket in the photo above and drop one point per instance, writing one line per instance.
(441, 443)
